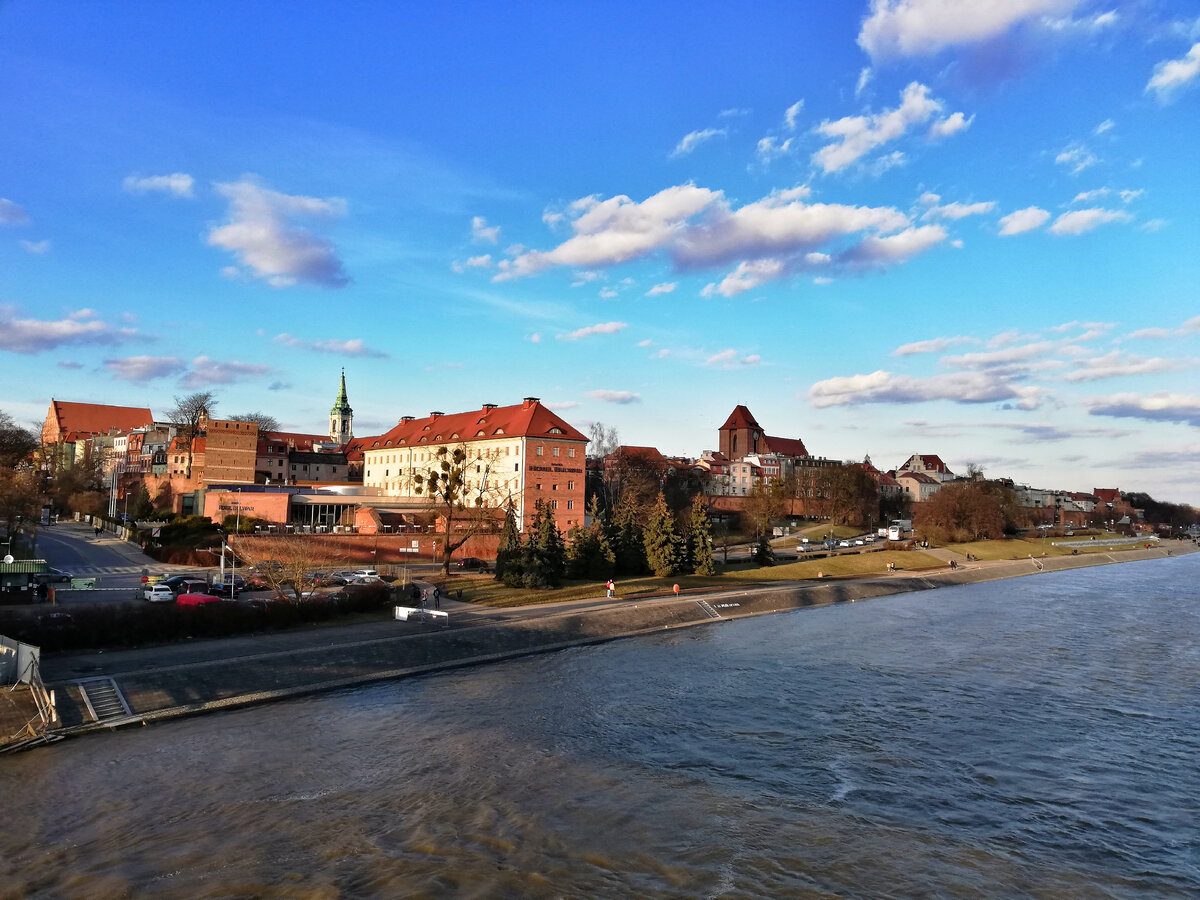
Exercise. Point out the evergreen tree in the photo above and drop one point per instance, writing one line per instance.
(628, 548)
(551, 551)
(701, 540)
(764, 555)
(661, 540)
(603, 562)
(509, 552)
(581, 547)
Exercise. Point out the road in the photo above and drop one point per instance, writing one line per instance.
(116, 565)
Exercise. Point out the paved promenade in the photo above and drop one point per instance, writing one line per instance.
(186, 679)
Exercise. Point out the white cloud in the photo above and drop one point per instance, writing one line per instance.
(955, 210)
(607, 293)
(1172, 75)
(1023, 220)
(790, 114)
(729, 359)
(481, 231)
(36, 247)
(36, 335)
(1076, 158)
(1117, 365)
(957, 387)
(206, 371)
(352, 347)
(177, 184)
(144, 368)
(747, 276)
(770, 148)
(560, 405)
(646, 343)
(662, 354)
(857, 136)
(1152, 225)
(601, 328)
(1128, 196)
(952, 124)
(934, 345)
(1091, 196)
(694, 139)
(1191, 326)
(12, 214)
(261, 235)
(1106, 125)
(1082, 220)
(734, 112)
(479, 262)
(864, 78)
(535, 338)
(665, 288)
(1158, 407)
(771, 237)
(897, 28)
(622, 398)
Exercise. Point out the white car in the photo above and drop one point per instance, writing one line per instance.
(365, 573)
(843, 543)
(158, 593)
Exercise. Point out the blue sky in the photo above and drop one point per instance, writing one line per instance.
(888, 227)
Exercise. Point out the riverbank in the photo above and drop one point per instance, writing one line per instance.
(159, 683)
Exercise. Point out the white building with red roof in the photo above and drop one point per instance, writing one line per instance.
(517, 455)
(928, 464)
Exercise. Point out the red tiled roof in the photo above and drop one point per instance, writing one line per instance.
(787, 446)
(520, 420)
(740, 418)
(1107, 495)
(84, 419)
(919, 477)
(647, 453)
(930, 461)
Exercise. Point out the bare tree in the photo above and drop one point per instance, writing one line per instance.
(456, 485)
(266, 422)
(602, 440)
(16, 442)
(187, 416)
(287, 562)
(18, 498)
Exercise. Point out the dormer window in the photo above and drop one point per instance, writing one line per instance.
(557, 430)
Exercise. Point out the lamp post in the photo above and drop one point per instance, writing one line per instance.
(237, 525)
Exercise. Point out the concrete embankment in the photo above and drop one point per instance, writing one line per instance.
(172, 681)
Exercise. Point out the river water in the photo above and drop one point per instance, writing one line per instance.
(1035, 737)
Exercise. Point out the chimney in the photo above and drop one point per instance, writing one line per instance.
(436, 413)
(529, 401)
(406, 418)
(489, 406)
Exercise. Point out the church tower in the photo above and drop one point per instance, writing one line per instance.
(341, 417)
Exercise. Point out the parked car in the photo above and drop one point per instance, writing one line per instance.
(364, 573)
(471, 562)
(158, 593)
(54, 576)
(236, 584)
(196, 599)
(332, 581)
(843, 543)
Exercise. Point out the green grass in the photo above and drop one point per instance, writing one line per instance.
(1021, 548)
(486, 591)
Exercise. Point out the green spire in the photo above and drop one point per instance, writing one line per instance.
(341, 406)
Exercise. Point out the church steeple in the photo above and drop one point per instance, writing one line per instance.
(341, 417)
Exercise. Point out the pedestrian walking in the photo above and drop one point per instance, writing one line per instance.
(611, 588)
(424, 597)
(437, 598)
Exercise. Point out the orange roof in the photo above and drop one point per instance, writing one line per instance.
(1107, 495)
(81, 419)
(741, 417)
(528, 419)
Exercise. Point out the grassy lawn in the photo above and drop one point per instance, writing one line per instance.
(486, 591)
(1021, 548)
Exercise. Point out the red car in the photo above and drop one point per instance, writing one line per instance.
(195, 599)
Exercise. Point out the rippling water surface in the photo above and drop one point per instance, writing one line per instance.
(1034, 737)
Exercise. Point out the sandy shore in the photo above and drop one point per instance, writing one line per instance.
(165, 682)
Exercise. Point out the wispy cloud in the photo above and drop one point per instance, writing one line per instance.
(601, 328)
(35, 247)
(958, 387)
(176, 185)
(1023, 220)
(1082, 220)
(262, 235)
(1173, 75)
(954, 211)
(1159, 407)
(12, 214)
(1075, 158)
(621, 398)
(207, 371)
(481, 231)
(933, 345)
(694, 139)
(18, 335)
(144, 368)
(791, 114)
(665, 288)
(353, 347)
(856, 136)
(729, 359)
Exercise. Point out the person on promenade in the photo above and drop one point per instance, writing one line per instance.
(415, 594)
(612, 589)
(437, 598)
